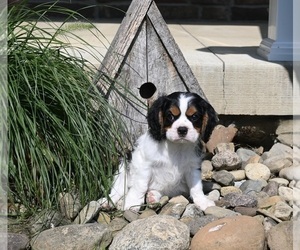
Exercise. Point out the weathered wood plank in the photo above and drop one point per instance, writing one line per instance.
(125, 36)
(173, 50)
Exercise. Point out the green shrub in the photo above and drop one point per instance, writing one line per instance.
(63, 135)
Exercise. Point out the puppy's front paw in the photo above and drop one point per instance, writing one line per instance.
(153, 196)
(204, 203)
(105, 204)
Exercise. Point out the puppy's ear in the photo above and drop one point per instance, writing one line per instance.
(210, 120)
(155, 118)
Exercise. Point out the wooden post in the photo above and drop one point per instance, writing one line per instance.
(143, 50)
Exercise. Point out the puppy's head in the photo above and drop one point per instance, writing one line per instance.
(181, 117)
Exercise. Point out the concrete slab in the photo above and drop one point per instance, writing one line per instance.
(224, 60)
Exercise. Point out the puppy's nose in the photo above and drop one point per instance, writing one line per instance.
(182, 131)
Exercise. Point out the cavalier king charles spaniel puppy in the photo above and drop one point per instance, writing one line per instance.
(167, 158)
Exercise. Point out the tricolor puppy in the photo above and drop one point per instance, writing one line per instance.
(167, 158)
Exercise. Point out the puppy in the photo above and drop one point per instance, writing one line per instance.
(167, 158)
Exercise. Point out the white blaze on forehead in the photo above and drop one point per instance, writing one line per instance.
(184, 103)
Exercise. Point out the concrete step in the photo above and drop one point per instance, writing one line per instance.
(222, 56)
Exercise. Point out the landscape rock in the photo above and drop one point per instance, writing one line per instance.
(286, 193)
(197, 222)
(45, 220)
(220, 134)
(226, 234)
(155, 232)
(268, 224)
(245, 154)
(16, 241)
(130, 215)
(222, 147)
(69, 205)
(281, 236)
(277, 163)
(147, 213)
(269, 201)
(214, 195)
(229, 190)
(103, 218)
(253, 186)
(272, 188)
(257, 171)
(77, 236)
(175, 207)
(279, 149)
(282, 211)
(88, 213)
(280, 181)
(240, 200)
(220, 212)
(249, 211)
(291, 173)
(284, 132)
(223, 177)
(116, 225)
(238, 174)
(226, 160)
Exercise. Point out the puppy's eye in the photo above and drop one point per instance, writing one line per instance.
(170, 117)
(194, 117)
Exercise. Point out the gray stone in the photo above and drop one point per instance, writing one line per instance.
(192, 210)
(221, 147)
(281, 236)
(17, 241)
(253, 186)
(173, 209)
(195, 223)
(88, 213)
(130, 215)
(269, 223)
(220, 212)
(238, 174)
(206, 166)
(249, 211)
(244, 200)
(284, 132)
(279, 149)
(286, 193)
(291, 173)
(214, 195)
(116, 225)
(245, 154)
(46, 220)
(282, 211)
(257, 171)
(272, 188)
(76, 236)
(147, 213)
(277, 163)
(229, 190)
(226, 160)
(223, 177)
(280, 181)
(69, 205)
(155, 232)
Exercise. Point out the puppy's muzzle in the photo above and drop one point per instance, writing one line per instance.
(182, 131)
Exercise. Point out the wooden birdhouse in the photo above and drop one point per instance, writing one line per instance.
(143, 62)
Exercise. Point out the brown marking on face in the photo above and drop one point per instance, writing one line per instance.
(160, 119)
(175, 110)
(191, 110)
(204, 123)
